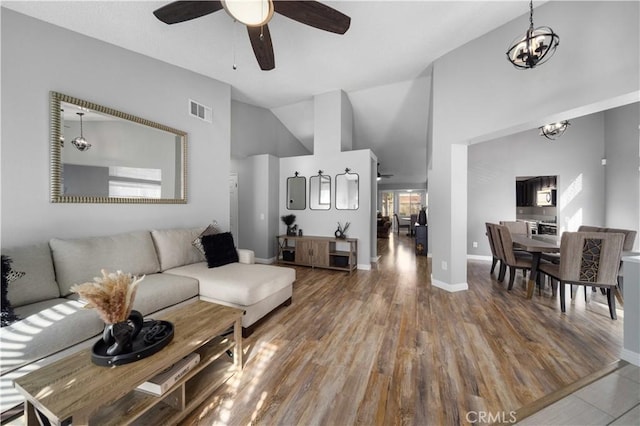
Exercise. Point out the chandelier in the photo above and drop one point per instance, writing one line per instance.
(554, 130)
(80, 142)
(535, 48)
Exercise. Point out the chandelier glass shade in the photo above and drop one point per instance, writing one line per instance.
(253, 13)
(554, 130)
(536, 47)
(80, 142)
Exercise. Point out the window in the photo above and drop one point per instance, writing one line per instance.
(135, 182)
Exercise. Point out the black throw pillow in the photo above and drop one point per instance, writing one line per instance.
(8, 275)
(219, 249)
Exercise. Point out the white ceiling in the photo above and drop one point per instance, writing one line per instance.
(380, 62)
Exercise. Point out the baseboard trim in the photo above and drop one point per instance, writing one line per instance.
(479, 257)
(630, 356)
(452, 288)
(364, 267)
(532, 408)
(269, 261)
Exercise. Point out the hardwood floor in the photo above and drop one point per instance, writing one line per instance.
(385, 347)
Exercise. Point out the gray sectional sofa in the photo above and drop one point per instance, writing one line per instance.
(53, 323)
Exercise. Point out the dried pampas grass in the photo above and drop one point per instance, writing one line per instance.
(112, 295)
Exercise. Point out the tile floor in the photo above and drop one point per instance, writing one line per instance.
(612, 400)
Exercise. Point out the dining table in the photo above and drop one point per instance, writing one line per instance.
(536, 246)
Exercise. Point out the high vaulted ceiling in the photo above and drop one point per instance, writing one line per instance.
(380, 62)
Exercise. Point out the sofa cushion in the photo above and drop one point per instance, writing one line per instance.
(209, 230)
(47, 327)
(236, 282)
(219, 249)
(39, 279)
(175, 248)
(159, 291)
(79, 261)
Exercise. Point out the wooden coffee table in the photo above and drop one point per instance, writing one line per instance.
(74, 390)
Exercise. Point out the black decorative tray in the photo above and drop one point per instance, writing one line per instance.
(153, 336)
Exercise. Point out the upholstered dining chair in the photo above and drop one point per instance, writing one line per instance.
(588, 259)
(512, 260)
(516, 227)
(497, 244)
(629, 240)
(398, 225)
(494, 254)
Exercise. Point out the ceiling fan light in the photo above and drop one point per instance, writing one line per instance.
(253, 13)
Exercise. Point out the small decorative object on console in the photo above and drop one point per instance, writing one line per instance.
(288, 220)
(341, 231)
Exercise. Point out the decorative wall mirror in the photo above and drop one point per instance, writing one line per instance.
(100, 155)
(320, 192)
(347, 191)
(296, 192)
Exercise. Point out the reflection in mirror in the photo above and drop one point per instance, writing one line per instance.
(320, 192)
(347, 191)
(296, 192)
(100, 155)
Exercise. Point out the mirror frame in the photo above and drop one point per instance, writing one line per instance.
(55, 176)
(304, 196)
(348, 172)
(320, 177)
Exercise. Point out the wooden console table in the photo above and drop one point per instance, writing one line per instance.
(75, 391)
(322, 252)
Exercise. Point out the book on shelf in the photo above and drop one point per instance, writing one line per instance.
(161, 382)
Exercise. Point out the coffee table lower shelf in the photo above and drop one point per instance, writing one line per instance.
(137, 407)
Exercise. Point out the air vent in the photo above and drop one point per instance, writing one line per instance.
(200, 111)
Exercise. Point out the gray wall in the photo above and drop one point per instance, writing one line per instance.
(490, 99)
(258, 137)
(258, 205)
(575, 158)
(38, 57)
(588, 193)
(622, 176)
(256, 130)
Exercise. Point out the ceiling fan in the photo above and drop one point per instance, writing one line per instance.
(256, 14)
(382, 175)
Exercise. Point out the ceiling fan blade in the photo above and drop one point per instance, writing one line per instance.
(180, 11)
(262, 46)
(313, 13)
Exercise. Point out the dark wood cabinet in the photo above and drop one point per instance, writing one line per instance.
(527, 190)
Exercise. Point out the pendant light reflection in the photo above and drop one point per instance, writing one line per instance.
(535, 48)
(80, 142)
(554, 130)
